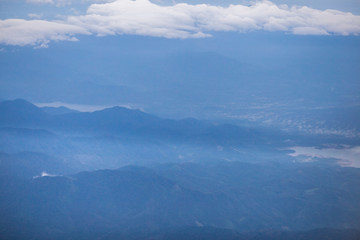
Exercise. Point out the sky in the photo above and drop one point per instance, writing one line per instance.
(39, 22)
(185, 58)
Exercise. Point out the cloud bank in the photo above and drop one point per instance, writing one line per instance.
(37, 32)
(142, 17)
(348, 157)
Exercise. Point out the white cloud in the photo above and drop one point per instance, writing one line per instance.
(139, 17)
(309, 31)
(45, 174)
(142, 17)
(347, 156)
(184, 20)
(36, 32)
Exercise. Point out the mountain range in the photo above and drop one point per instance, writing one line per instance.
(123, 173)
(238, 196)
(118, 136)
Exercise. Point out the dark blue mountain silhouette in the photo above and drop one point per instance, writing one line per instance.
(20, 113)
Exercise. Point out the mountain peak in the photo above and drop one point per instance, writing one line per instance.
(19, 111)
(17, 103)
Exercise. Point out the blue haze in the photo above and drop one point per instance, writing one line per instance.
(222, 139)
